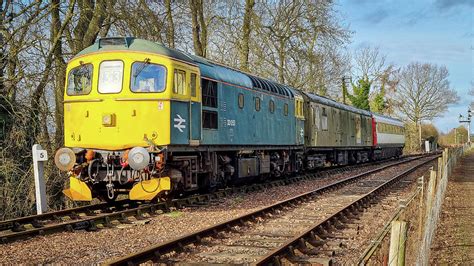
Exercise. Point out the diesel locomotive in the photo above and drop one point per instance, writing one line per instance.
(146, 120)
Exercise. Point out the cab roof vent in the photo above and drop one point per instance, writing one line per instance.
(115, 41)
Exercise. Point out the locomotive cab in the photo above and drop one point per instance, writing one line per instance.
(122, 108)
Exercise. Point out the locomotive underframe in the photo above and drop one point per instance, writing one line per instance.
(209, 167)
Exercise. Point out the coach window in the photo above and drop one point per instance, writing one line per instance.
(271, 106)
(324, 120)
(193, 84)
(285, 109)
(110, 76)
(209, 93)
(241, 101)
(257, 104)
(147, 77)
(79, 81)
(316, 117)
(179, 82)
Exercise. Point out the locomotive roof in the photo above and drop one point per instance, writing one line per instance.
(209, 69)
(134, 44)
(330, 102)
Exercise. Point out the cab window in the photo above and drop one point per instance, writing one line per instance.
(179, 82)
(147, 77)
(79, 80)
(110, 76)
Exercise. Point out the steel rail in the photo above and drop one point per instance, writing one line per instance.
(18, 224)
(155, 251)
(20, 231)
(299, 241)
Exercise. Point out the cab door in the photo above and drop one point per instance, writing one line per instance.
(195, 109)
(186, 107)
(299, 115)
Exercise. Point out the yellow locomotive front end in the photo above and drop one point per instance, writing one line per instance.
(117, 120)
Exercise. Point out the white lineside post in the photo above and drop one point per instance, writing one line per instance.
(40, 156)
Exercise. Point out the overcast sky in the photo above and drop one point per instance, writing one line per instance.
(436, 31)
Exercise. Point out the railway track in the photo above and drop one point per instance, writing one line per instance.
(104, 214)
(282, 232)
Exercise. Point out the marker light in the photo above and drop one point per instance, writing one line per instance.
(65, 159)
(138, 158)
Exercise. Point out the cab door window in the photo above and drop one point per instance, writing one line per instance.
(110, 76)
(193, 84)
(179, 82)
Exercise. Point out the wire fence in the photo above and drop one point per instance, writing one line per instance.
(421, 213)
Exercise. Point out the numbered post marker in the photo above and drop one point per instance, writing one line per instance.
(40, 156)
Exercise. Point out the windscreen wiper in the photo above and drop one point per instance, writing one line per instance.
(138, 71)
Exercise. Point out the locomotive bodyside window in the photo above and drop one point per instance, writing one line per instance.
(209, 93)
(79, 81)
(110, 76)
(257, 104)
(209, 119)
(285, 109)
(147, 77)
(241, 101)
(271, 106)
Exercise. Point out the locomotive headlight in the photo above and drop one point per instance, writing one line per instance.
(138, 158)
(65, 159)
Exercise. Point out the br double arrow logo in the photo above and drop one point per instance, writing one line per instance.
(180, 123)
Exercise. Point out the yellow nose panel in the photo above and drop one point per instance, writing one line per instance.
(149, 189)
(78, 190)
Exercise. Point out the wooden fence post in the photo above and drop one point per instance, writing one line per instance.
(397, 243)
(420, 209)
(430, 193)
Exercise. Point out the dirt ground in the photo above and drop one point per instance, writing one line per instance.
(454, 240)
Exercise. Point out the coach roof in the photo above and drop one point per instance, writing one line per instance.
(330, 102)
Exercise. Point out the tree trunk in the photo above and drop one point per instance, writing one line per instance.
(199, 28)
(91, 18)
(420, 144)
(246, 29)
(170, 28)
(281, 63)
(2, 50)
(60, 72)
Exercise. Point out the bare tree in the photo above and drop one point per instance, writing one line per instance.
(199, 27)
(370, 63)
(170, 28)
(246, 29)
(423, 92)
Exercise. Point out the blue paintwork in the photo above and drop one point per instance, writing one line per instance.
(179, 110)
(247, 126)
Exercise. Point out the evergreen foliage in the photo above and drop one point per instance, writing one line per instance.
(361, 90)
(379, 104)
